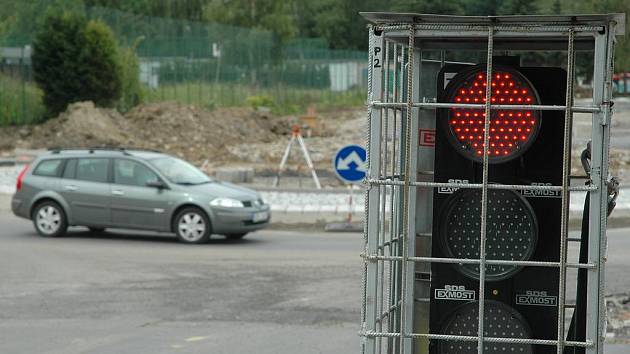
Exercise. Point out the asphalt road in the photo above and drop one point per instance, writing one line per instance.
(274, 292)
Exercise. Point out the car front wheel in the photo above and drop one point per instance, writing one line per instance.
(50, 219)
(192, 226)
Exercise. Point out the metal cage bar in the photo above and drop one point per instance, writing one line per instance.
(484, 193)
(522, 187)
(376, 257)
(564, 227)
(547, 342)
(375, 73)
(404, 346)
(434, 105)
(602, 95)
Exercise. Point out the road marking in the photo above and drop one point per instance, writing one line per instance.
(195, 339)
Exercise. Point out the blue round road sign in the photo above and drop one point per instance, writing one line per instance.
(350, 163)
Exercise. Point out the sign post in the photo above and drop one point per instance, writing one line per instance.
(349, 166)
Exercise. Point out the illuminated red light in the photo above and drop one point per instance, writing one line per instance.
(509, 134)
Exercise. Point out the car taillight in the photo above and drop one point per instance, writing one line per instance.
(20, 178)
(512, 131)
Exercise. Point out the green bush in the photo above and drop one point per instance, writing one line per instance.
(260, 101)
(76, 60)
(20, 101)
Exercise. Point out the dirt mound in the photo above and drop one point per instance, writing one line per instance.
(195, 133)
(226, 136)
(81, 125)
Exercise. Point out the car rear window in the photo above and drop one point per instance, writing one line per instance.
(93, 170)
(48, 168)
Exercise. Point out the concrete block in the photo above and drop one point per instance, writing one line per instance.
(235, 174)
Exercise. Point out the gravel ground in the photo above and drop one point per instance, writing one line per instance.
(618, 308)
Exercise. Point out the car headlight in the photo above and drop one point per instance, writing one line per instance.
(227, 203)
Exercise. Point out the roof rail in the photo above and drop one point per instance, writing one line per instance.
(124, 150)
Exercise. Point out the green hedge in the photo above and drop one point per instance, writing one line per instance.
(20, 101)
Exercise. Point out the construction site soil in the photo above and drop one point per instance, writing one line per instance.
(221, 137)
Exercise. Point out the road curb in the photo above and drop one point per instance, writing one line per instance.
(7, 162)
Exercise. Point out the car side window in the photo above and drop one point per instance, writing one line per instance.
(93, 170)
(71, 169)
(48, 168)
(132, 173)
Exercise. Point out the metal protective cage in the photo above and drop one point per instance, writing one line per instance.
(405, 52)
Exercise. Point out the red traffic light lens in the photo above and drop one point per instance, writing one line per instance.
(512, 131)
(511, 231)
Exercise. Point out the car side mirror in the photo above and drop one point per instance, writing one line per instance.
(157, 184)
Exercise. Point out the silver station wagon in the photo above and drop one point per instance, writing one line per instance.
(133, 189)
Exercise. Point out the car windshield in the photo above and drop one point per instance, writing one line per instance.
(179, 171)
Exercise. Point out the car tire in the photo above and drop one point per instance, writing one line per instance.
(96, 229)
(191, 225)
(235, 236)
(49, 219)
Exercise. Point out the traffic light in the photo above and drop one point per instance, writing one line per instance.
(525, 148)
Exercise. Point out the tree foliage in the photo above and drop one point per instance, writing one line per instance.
(337, 21)
(180, 9)
(275, 16)
(76, 60)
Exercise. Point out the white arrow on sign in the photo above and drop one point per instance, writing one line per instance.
(344, 163)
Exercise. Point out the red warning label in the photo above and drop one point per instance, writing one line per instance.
(426, 137)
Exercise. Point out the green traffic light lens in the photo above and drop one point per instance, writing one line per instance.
(511, 231)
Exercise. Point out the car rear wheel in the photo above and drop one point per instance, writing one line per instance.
(236, 236)
(49, 219)
(192, 226)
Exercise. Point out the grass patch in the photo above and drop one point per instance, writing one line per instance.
(20, 102)
(283, 100)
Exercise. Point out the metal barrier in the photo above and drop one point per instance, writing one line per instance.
(397, 254)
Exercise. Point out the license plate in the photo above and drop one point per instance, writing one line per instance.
(262, 216)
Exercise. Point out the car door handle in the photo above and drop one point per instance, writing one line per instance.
(118, 192)
(71, 188)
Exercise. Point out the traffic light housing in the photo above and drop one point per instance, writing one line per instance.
(526, 148)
